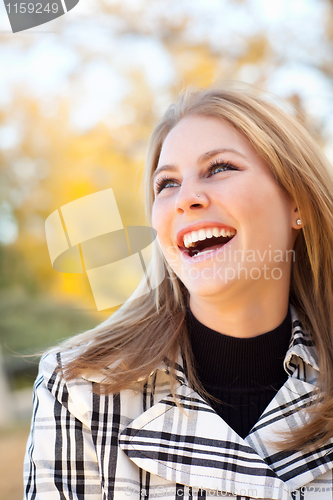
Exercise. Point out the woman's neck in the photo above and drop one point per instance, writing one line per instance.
(240, 320)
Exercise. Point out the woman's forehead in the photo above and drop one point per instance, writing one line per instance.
(196, 135)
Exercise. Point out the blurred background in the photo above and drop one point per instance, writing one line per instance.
(79, 97)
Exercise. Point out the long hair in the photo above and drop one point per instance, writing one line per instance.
(150, 329)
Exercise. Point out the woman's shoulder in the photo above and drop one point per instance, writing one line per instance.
(52, 387)
(54, 361)
(82, 396)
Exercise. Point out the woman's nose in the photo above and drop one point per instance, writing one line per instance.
(190, 197)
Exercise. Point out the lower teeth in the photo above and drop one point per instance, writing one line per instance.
(201, 253)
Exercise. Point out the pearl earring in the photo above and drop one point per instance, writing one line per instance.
(299, 222)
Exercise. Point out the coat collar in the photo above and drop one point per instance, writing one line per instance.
(301, 346)
(196, 447)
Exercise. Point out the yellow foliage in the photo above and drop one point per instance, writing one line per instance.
(73, 286)
(75, 165)
(257, 50)
(196, 65)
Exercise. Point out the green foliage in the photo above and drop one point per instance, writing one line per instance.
(15, 271)
(29, 324)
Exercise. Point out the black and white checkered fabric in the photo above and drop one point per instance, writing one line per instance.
(139, 445)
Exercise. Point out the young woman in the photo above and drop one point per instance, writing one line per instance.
(219, 382)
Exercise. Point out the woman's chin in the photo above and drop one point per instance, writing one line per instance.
(205, 288)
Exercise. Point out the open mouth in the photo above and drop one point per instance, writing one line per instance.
(210, 243)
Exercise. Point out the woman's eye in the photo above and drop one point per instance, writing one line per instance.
(220, 166)
(163, 183)
(216, 166)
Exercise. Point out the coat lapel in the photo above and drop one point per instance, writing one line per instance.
(296, 469)
(196, 447)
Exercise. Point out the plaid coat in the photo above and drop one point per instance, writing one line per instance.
(141, 446)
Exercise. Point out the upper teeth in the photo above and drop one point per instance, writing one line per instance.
(193, 236)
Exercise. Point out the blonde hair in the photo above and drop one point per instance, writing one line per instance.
(146, 331)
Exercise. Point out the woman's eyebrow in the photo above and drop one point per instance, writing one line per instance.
(204, 157)
(172, 168)
(213, 152)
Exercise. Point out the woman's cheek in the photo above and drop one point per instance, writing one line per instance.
(172, 255)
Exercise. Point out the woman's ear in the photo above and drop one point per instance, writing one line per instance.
(297, 222)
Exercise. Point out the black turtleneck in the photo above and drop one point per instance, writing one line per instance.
(243, 373)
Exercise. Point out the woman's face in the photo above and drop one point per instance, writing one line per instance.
(243, 221)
